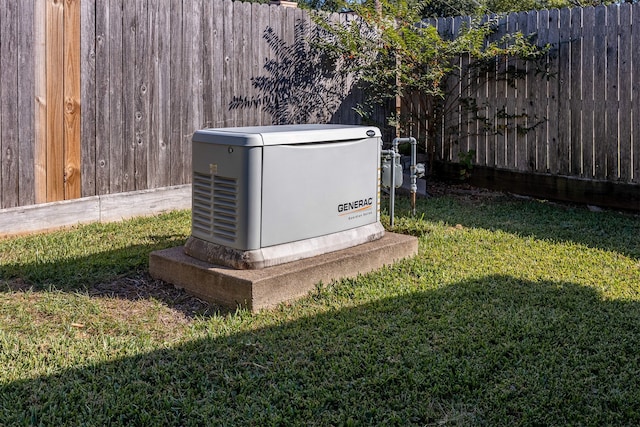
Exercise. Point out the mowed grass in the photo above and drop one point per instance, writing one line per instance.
(515, 312)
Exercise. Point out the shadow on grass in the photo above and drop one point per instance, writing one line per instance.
(79, 273)
(492, 351)
(606, 230)
(119, 274)
(104, 260)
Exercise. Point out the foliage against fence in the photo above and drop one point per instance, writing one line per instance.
(577, 113)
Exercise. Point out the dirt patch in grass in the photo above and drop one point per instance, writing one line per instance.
(462, 191)
(143, 287)
(129, 299)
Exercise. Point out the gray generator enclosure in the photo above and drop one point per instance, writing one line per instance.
(272, 194)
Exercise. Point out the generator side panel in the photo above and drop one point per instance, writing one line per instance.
(312, 190)
(226, 195)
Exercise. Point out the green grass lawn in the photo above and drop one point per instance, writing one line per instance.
(515, 312)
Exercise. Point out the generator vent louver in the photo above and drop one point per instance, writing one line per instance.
(215, 206)
(202, 215)
(225, 208)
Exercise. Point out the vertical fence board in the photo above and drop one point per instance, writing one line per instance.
(103, 122)
(193, 90)
(261, 53)
(158, 172)
(575, 95)
(521, 108)
(274, 26)
(610, 144)
(533, 84)
(497, 150)
(446, 28)
(55, 93)
(40, 88)
(625, 91)
(463, 93)
(242, 23)
(511, 94)
(562, 93)
(588, 93)
(599, 92)
(208, 63)
(141, 94)
(218, 63)
(552, 122)
(287, 34)
(542, 131)
(482, 128)
(229, 70)
(163, 101)
(176, 96)
(635, 107)
(72, 124)
(26, 105)
(115, 114)
(129, 90)
(9, 143)
(154, 171)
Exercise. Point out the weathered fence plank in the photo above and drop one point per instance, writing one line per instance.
(588, 93)
(155, 172)
(625, 93)
(130, 30)
(88, 105)
(610, 145)
(25, 104)
(115, 114)
(208, 63)
(561, 136)
(193, 89)
(521, 107)
(462, 145)
(600, 92)
(242, 50)
(542, 131)
(635, 106)
(261, 53)
(141, 94)
(102, 96)
(534, 97)
(176, 95)
(511, 95)
(9, 143)
(575, 95)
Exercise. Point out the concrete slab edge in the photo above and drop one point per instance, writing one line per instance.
(268, 287)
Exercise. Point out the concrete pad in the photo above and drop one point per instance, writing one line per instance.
(266, 288)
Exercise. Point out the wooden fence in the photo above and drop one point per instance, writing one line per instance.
(576, 113)
(102, 97)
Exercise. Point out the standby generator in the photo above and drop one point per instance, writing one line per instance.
(272, 194)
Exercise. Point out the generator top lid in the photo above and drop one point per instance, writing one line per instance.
(253, 136)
